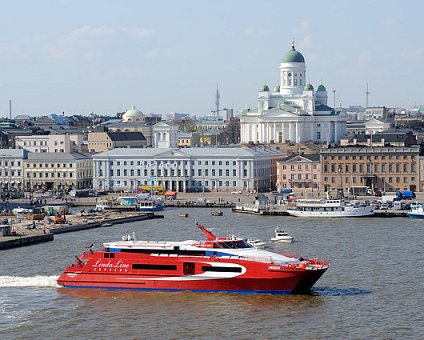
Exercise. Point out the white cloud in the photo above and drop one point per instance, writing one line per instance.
(82, 39)
(254, 33)
(390, 21)
(307, 42)
(414, 54)
(365, 58)
(305, 26)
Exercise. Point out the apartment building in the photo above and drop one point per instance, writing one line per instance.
(383, 168)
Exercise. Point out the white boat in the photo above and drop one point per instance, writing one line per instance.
(151, 204)
(256, 243)
(259, 206)
(330, 208)
(282, 236)
(417, 210)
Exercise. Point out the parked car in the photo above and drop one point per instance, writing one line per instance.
(378, 193)
(236, 192)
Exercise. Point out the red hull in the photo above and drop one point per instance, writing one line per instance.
(189, 273)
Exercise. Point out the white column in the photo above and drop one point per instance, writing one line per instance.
(297, 137)
(336, 133)
(283, 135)
(275, 133)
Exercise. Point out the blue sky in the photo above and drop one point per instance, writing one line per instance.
(104, 56)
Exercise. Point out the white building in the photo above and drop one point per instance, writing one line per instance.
(12, 169)
(58, 171)
(165, 135)
(50, 143)
(294, 111)
(187, 170)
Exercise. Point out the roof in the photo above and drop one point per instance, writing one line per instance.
(264, 88)
(321, 88)
(293, 56)
(311, 157)
(125, 136)
(189, 152)
(57, 156)
(308, 87)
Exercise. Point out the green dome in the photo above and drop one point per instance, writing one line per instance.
(321, 88)
(293, 56)
(308, 87)
(264, 88)
(277, 88)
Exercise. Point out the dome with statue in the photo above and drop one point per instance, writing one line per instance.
(133, 115)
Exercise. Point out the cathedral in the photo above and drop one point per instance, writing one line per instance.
(293, 112)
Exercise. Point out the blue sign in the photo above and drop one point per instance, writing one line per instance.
(151, 179)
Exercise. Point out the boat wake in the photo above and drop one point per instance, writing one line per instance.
(34, 281)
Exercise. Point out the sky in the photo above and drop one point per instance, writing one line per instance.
(104, 56)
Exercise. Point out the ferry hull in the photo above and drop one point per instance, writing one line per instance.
(204, 273)
(291, 282)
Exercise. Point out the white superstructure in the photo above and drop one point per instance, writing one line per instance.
(330, 208)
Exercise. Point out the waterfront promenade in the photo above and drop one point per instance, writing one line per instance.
(79, 221)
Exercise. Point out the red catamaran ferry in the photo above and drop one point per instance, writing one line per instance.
(225, 264)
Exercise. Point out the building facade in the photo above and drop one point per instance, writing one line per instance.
(50, 143)
(299, 172)
(188, 169)
(293, 112)
(58, 171)
(12, 169)
(99, 141)
(380, 168)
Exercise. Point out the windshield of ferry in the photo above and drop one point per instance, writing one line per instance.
(232, 244)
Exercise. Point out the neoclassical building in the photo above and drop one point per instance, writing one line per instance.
(293, 112)
(188, 169)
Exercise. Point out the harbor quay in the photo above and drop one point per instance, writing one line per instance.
(27, 232)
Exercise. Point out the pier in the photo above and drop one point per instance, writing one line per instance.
(15, 241)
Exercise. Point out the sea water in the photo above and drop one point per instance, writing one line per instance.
(373, 288)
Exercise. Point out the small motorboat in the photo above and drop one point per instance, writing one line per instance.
(282, 236)
(256, 243)
(106, 224)
(217, 213)
(183, 215)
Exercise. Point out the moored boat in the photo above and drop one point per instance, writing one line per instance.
(417, 211)
(151, 204)
(217, 213)
(225, 264)
(330, 208)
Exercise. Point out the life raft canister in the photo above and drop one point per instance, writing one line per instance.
(302, 265)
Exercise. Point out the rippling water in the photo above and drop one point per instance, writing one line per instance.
(373, 288)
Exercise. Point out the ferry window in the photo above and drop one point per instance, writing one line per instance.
(154, 266)
(222, 269)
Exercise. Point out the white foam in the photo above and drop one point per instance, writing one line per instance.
(33, 281)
